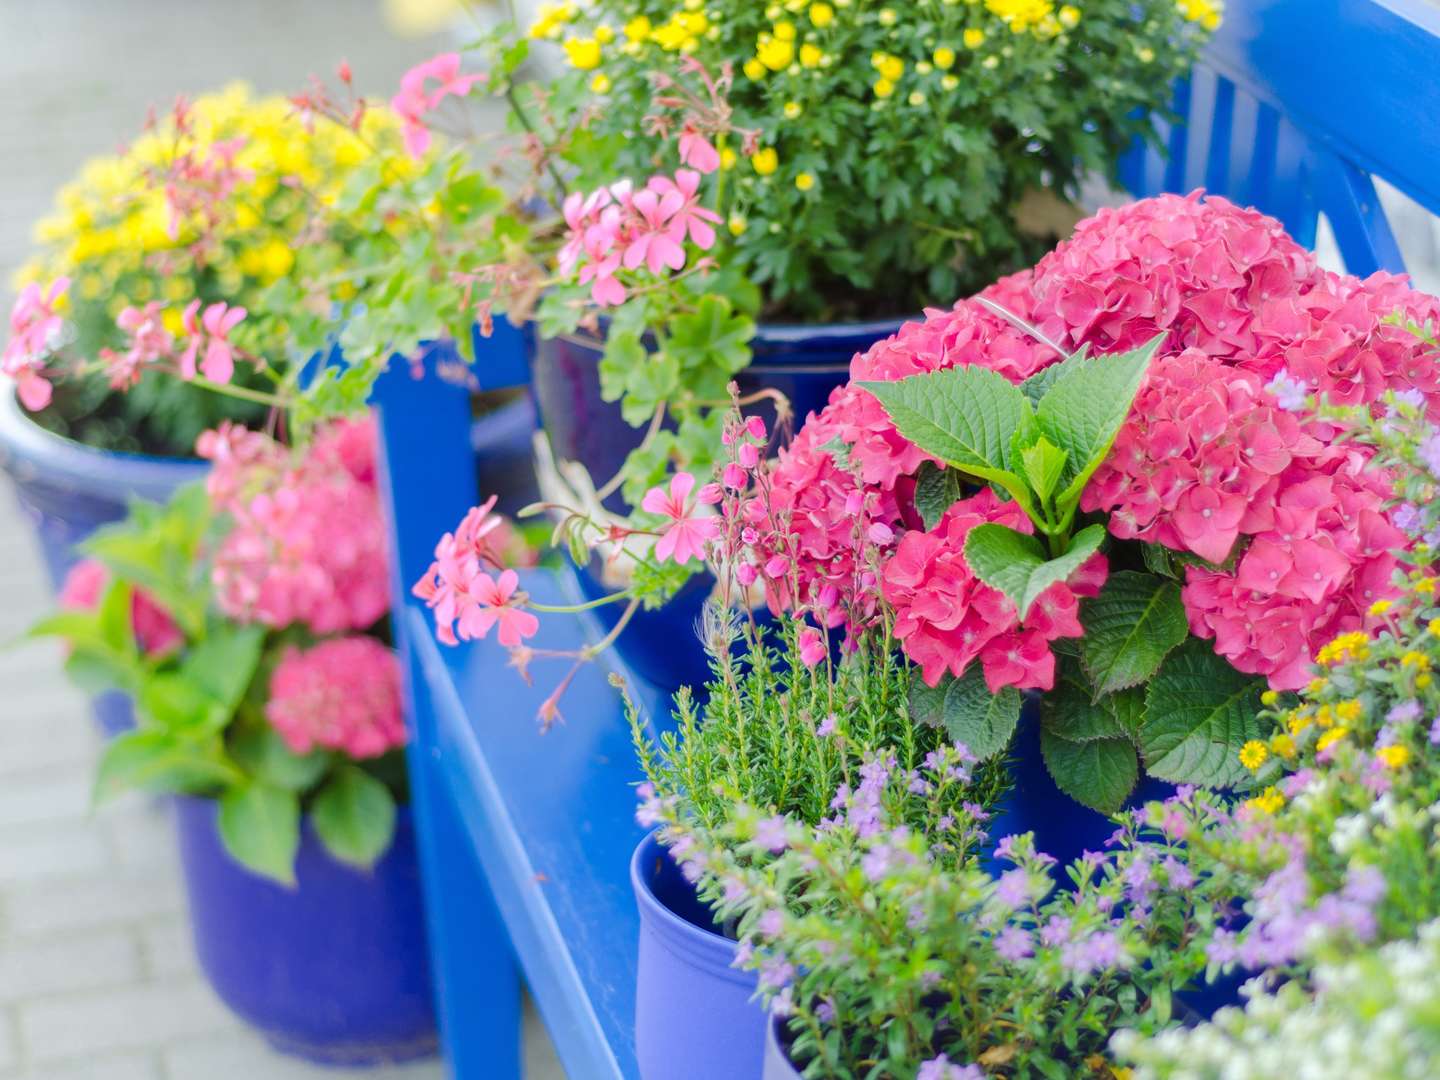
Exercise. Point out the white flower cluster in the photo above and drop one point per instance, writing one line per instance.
(1375, 1016)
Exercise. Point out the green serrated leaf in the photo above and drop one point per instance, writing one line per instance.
(966, 417)
(1070, 711)
(260, 827)
(223, 665)
(1016, 564)
(261, 751)
(1083, 410)
(1129, 629)
(354, 815)
(936, 490)
(927, 703)
(1044, 462)
(1199, 711)
(1100, 773)
(1129, 709)
(1039, 384)
(173, 703)
(159, 762)
(982, 721)
(1158, 561)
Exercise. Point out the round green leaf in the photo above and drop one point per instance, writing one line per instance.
(1100, 773)
(354, 814)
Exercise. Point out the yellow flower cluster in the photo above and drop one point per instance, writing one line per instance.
(551, 20)
(1034, 16)
(112, 223)
(1205, 12)
(1268, 801)
(1352, 646)
(1254, 754)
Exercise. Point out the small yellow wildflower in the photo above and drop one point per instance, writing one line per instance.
(1268, 801)
(1282, 744)
(1425, 586)
(1394, 756)
(1298, 722)
(883, 88)
(804, 181)
(600, 83)
(917, 98)
(604, 35)
(949, 82)
(811, 55)
(974, 37)
(728, 157)
(1205, 12)
(822, 15)
(944, 58)
(1347, 712)
(638, 29)
(891, 67)
(1069, 16)
(776, 53)
(1380, 607)
(765, 161)
(1316, 685)
(1145, 54)
(1269, 699)
(1352, 646)
(754, 69)
(584, 53)
(887, 16)
(1417, 660)
(737, 224)
(1423, 680)
(1253, 754)
(1331, 737)
(1433, 626)
(671, 36)
(792, 110)
(785, 30)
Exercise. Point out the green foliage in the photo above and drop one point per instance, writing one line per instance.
(1198, 712)
(1100, 773)
(260, 826)
(981, 721)
(936, 490)
(354, 815)
(1129, 629)
(1015, 563)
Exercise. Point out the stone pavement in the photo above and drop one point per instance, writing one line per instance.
(97, 979)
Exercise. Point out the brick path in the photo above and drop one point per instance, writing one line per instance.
(97, 980)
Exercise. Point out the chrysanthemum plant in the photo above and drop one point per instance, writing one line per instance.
(246, 620)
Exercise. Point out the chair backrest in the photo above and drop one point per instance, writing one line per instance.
(1298, 105)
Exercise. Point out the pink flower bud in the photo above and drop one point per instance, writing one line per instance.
(749, 455)
(880, 533)
(746, 574)
(776, 566)
(756, 427)
(734, 477)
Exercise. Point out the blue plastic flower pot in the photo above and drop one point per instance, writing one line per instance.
(777, 1059)
(1063, 827)
(805, 363)
(694, 1014)
(69, 490)
(334, 970)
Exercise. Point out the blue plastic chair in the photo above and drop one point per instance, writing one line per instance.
(525, 838)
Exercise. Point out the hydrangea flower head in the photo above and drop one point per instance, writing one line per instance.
(342, 694)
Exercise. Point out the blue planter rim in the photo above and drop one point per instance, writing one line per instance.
(700, 948)
(778, 1065)
(26, 447)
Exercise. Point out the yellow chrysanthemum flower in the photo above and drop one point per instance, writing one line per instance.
(973, 37)
(883, 88)
(638, 29)
(944, 58)
(811, 55)
(584, 53)
(1283, 744)
(1254, 754)
(804, 181)
(821, 15)
(1380, 607)
(1331, 737)
(776, 53)
(765, 161)
(1268, 801)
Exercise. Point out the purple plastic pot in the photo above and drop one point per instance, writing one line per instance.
(68, 490)
(777, 1059)
(694, 1014)
(334, 970)
(805, 363)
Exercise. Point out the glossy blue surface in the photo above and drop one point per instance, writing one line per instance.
(1297, 104)
(334, 970)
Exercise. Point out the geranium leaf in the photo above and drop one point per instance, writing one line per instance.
(965, 416)
(260, 827)
(354, 815)
(1199, 711)
(1083, 410)
(1100, 773)
(936, 490)
(982, 721)
(1016, 563)
(1129, 629)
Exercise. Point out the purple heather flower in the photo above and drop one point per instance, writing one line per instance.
(1407, 517)
(946, 823)
(934, 760)
(1104, 903)
(1094, 952)
(876, 862)
(770, 834)
(1178, 874)
(976, 811)
(825, 1012)
(783, 1004)
(827, 726)
(1013, 888)
(1435, 731)
(942, 1068)
(770, 923)
(1014, 943)
(1412, 397)
(1430, 454)
(734, 890)
(648, 813)
(1364, 885)
(1139, 880)
(1289, 393)
(743, 952)
(1297, 782)
(1056, 931)
(1005, 849)
(775, 972)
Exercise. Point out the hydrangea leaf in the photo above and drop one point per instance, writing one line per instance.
(260, 827)
(354, 816)
(927, 703)
(1083, 410)
(1016, 563)
(160, 762)
(1129, 629)
(261, 751)
(223, 665)
(1039, 384)
(965, 416)
(936, 490)
(982, 721)
(1100, 773)
(1044, 463)
(1070, 711)
(1199, 711)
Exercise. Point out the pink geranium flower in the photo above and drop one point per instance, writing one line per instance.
(149, 343)
(654, 242)
(212, 330)
(697, 151)
(688, 531)
(491, 605)
(415, 98)
(35, 328)
(691, 217)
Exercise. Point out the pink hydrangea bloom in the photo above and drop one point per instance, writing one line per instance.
(35, 326)
(946, 617)
(306, 542)
(155, 631)
(1197, 268)
(342, 694)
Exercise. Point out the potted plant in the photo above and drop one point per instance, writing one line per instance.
(719, 184)
(269, 704)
